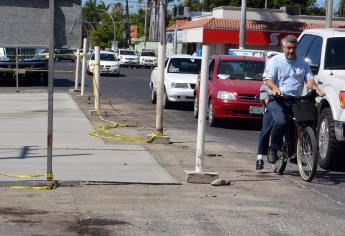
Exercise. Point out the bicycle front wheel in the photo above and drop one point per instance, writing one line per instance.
(307, 155)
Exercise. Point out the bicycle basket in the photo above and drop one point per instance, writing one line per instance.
(304, 112)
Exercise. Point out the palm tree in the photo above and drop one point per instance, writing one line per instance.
(341, 8)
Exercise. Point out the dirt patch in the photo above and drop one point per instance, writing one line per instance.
(20, 212)
(95, 226)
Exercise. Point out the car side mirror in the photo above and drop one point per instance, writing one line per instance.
(314, 68)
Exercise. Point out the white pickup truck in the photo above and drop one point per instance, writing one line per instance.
(324, 50)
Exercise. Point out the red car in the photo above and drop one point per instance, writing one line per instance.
(233, 88)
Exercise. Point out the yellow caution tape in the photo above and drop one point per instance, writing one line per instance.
(45, 187)
(103, 131)
(33, 70)
(30, 176)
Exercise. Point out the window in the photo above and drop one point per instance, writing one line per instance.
(304, 44)
(148, 54)
(248, 70)
(211, 70)
(314, 52)
(335, 51)
(127, 52)
(184, 65)
(107, 57)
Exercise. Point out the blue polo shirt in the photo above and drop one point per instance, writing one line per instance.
(289, 75)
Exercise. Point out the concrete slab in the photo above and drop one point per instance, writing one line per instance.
(77, 156)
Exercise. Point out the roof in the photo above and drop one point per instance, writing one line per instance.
(184, 56)
(253, 25)
(106, 52)
(179, 23)
(328, 32)
(243, 58)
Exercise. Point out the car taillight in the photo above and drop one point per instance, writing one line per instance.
(342, 99)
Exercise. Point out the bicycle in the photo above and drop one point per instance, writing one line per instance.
(299, 139)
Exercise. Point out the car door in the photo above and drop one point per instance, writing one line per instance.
(212, 79)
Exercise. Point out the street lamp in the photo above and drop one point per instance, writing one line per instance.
(112, 19)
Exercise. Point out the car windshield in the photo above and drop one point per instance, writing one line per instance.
(184, 65)
(66, 51)
(148, 54)
(107, 57)
(127, 52)
(246, 70)
(335, 51)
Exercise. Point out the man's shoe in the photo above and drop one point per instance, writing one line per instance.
(259, 164)
(293, 160)
(272, 157)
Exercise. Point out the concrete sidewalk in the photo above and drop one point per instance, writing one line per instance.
(77, 156)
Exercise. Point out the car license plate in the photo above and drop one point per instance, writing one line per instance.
(21, 71)
(256, 110)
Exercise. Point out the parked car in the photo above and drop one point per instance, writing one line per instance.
(324, 50)
(33, 66)
(109, 64)
(181, 72)
(148, 58)
(128, 57)
(233, 88)
(64, 54)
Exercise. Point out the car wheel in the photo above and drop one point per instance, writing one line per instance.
(212, 121)
(153, 96)
(196, 107)
(329, 146)
(166, 102)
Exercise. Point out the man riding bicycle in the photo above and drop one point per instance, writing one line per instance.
(285, 74)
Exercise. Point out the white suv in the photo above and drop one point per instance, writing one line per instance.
(128, 57)
(148, 58)
(324, 50)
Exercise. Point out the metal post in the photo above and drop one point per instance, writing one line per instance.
(83, 68)
(96, 73)
(265, 4)
(200, 142)
(175, 39)
(243, 23)
(329, 13)
(50, 91)
(76, 81)
(17, 72)
(161, 60)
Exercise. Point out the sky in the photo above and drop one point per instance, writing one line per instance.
(134, 4)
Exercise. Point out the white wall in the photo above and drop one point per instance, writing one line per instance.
(193, 35)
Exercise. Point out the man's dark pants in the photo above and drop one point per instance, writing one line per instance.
(265, 133)
(279, 110)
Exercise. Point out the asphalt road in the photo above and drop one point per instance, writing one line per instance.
(132, 85)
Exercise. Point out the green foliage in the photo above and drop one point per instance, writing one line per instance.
(194, 5)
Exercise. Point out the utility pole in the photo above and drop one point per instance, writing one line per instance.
(329, 13)
(127, 26)
(243, 24)
(161, 59)
(145, 26)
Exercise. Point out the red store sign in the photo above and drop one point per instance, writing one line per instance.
(258, 38)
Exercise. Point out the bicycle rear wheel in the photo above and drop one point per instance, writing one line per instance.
(307, 155)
